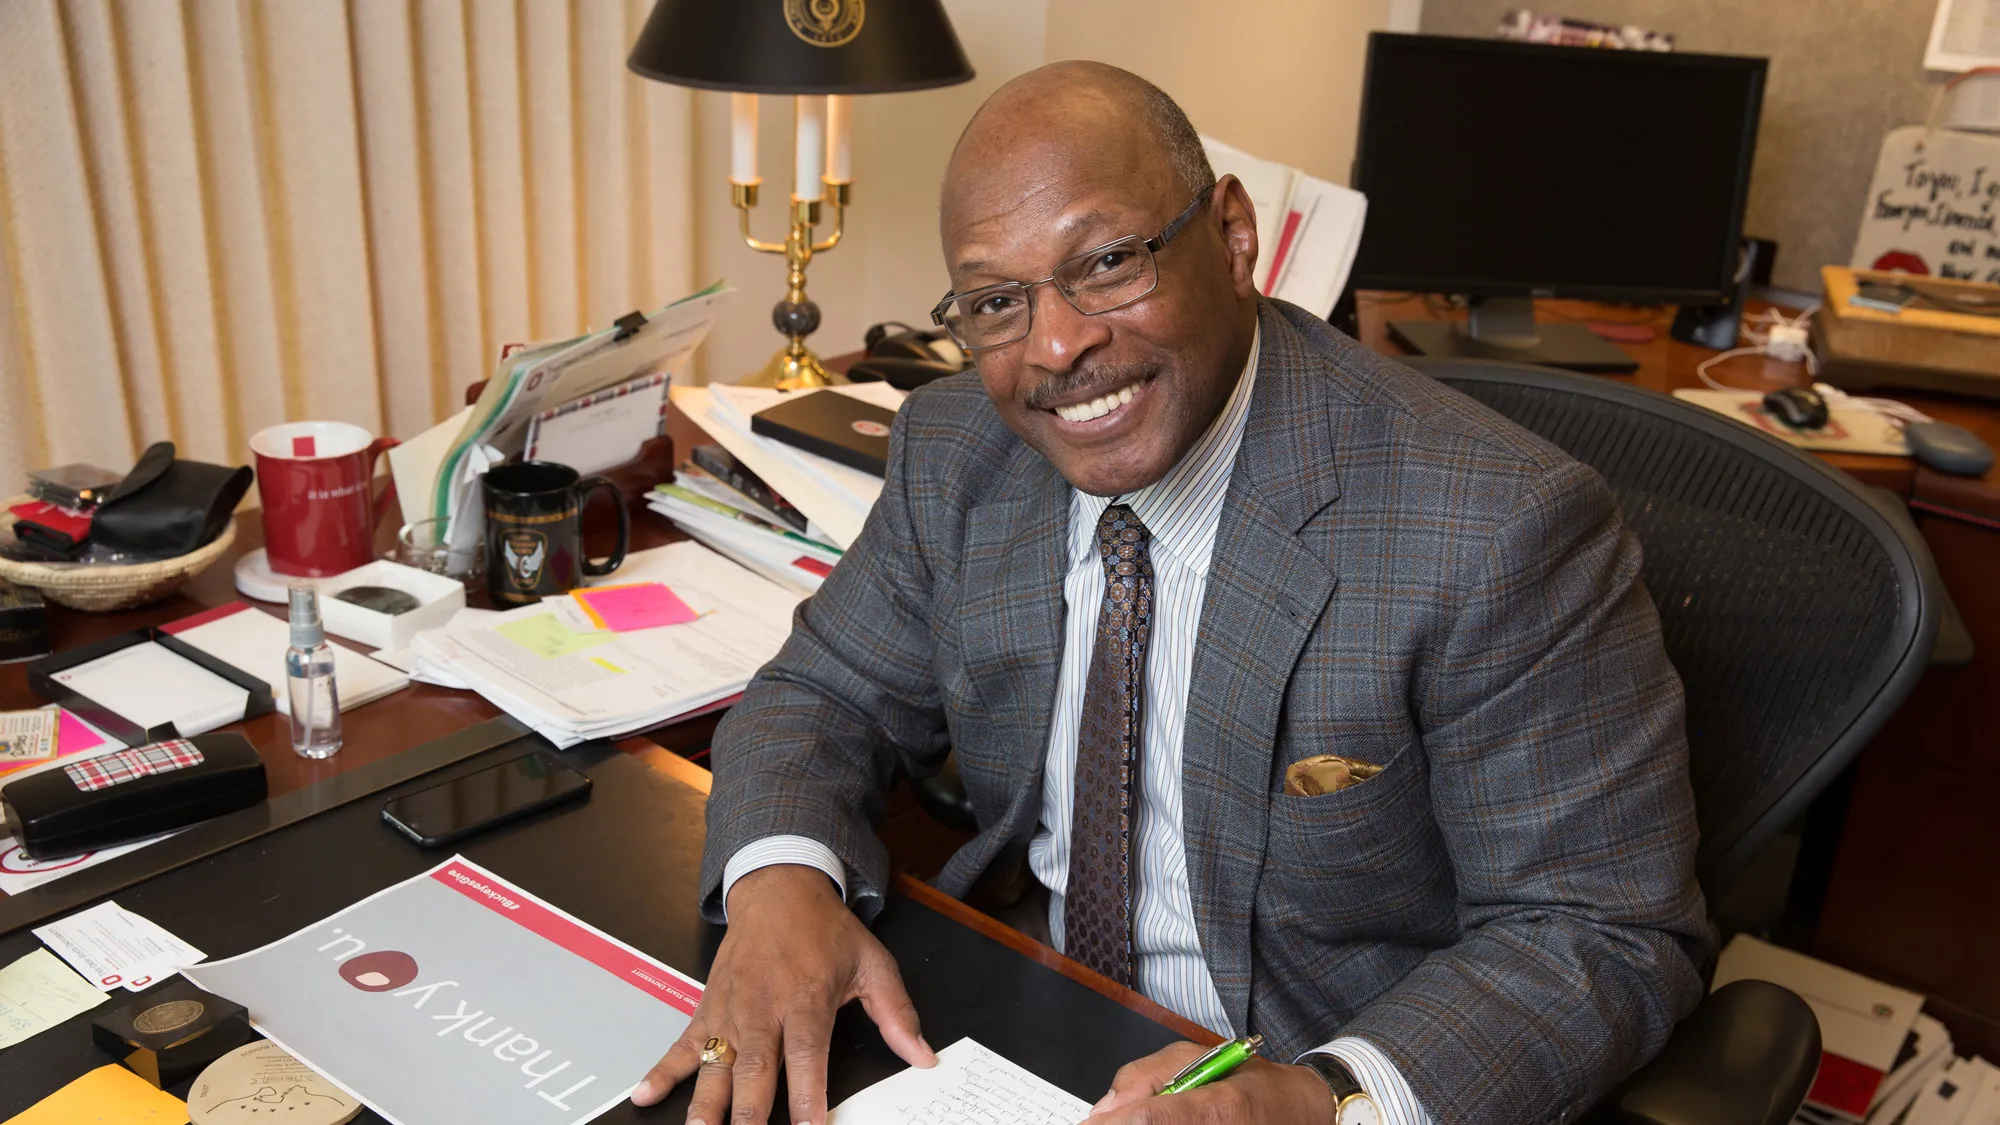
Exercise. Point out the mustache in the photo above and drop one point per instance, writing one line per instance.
(1089, 382)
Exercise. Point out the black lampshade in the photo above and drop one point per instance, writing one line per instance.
(800, 46)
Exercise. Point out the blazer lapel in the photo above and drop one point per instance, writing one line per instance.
(1015, 557)
(1265, 595)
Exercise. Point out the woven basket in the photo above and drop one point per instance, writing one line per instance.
(107, 589)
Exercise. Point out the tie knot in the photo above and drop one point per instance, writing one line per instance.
(1122, 541)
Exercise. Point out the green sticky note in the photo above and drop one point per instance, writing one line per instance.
(548, 638)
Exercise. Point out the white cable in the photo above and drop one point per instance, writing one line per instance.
(1899, 413)
(1788, 341)
(1701, 370)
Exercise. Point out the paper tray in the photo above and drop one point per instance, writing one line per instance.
(42, 681)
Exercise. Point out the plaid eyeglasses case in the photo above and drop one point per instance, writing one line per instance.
(132, 794)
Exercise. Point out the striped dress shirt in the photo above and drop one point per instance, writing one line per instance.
(1182, 511)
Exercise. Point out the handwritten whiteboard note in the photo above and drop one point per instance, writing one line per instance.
(1933, 207)
(970, 1085)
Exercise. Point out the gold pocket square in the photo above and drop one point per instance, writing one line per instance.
(1326, 773)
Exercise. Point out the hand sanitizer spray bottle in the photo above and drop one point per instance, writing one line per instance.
(315, 705)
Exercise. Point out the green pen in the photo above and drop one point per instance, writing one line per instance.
(1221, 1060)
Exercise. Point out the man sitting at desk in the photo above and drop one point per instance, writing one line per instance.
(1171, 548)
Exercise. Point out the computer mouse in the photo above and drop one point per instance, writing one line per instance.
(1949, 448)
(1801, 408)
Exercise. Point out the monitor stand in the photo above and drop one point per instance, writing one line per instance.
(1505, 328)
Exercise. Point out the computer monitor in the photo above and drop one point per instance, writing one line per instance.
(1509, 171)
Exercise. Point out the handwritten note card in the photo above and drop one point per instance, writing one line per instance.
(1934, 206)
(969, 1086)
(38, 992)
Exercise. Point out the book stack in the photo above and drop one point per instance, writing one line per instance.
(719, 502)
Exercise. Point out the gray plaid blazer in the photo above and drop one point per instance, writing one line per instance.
(1509, 909)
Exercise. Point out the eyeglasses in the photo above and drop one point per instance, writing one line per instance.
(1096, 281)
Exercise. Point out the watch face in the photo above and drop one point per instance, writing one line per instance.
(1358, 1110)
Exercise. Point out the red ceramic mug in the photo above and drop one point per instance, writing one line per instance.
(314, 479)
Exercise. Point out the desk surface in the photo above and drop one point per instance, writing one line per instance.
(376, 730)
(963, 981)
(1667, 365)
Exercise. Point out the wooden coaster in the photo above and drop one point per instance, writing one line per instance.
(260, 1082)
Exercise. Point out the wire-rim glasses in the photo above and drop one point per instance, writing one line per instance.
(1096, 281)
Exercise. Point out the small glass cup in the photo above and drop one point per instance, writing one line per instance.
(424, 545)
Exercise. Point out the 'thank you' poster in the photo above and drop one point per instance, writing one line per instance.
(456, 996)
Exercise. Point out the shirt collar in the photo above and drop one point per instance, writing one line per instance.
(1183, 508)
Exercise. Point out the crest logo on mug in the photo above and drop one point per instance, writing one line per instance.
(527, 551)
(534, 531)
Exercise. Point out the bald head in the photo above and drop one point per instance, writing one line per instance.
(1116, 370)
(1091, 106)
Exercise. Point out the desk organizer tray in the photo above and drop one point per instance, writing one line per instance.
(44, 681)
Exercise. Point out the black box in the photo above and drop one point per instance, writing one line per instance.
(42, 681)
(24, 624)
(172, 1031)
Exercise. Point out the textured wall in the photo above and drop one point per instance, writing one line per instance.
(1280, 79)
(1843, 73)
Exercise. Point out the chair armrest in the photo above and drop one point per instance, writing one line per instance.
(1746, 1056)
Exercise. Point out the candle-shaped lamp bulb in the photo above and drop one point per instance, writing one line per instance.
(810, 132)
(743, 138)
(839, 117)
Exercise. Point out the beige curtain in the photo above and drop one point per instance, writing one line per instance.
(216, 215)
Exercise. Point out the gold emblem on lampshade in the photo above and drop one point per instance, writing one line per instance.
(825, 23)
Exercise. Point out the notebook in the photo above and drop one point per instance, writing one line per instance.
(835, 426)
(256, 641)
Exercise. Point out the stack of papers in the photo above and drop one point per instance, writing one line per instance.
(740, 529)
(1881, 1056)
(255, 642)
(833, 496)
(547, 665)
(545, 376)
(1308, 230)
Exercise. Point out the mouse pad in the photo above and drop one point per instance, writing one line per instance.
(1847, 429)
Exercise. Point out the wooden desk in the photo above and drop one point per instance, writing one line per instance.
(394, 724)
(1667, 365)
(1914, 895)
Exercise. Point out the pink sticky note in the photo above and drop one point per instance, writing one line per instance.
(642, 605)
(72, 735)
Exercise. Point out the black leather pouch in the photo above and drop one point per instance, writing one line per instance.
(165, 508)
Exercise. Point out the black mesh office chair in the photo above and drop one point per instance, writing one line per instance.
(1793, 603)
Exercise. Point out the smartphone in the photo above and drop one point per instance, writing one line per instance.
(449, 812)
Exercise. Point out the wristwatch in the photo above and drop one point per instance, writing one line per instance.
(1352, 1105)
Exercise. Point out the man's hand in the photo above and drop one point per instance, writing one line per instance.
(1256, 1093)
(793, 955)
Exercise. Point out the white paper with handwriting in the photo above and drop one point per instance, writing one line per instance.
(970, 1085)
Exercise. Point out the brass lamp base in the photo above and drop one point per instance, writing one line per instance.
(788, 371)
(795, 366)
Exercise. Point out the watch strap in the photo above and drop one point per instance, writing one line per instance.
(1335, 1074)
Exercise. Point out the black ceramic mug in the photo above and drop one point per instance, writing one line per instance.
(534, 531)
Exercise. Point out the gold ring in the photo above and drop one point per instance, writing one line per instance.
(717, 1052)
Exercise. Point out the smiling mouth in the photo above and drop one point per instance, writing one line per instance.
(1097, 407)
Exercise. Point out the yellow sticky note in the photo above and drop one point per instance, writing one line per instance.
(109, 1095)
(548, 638)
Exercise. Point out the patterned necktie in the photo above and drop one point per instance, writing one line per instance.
(1097, 905)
